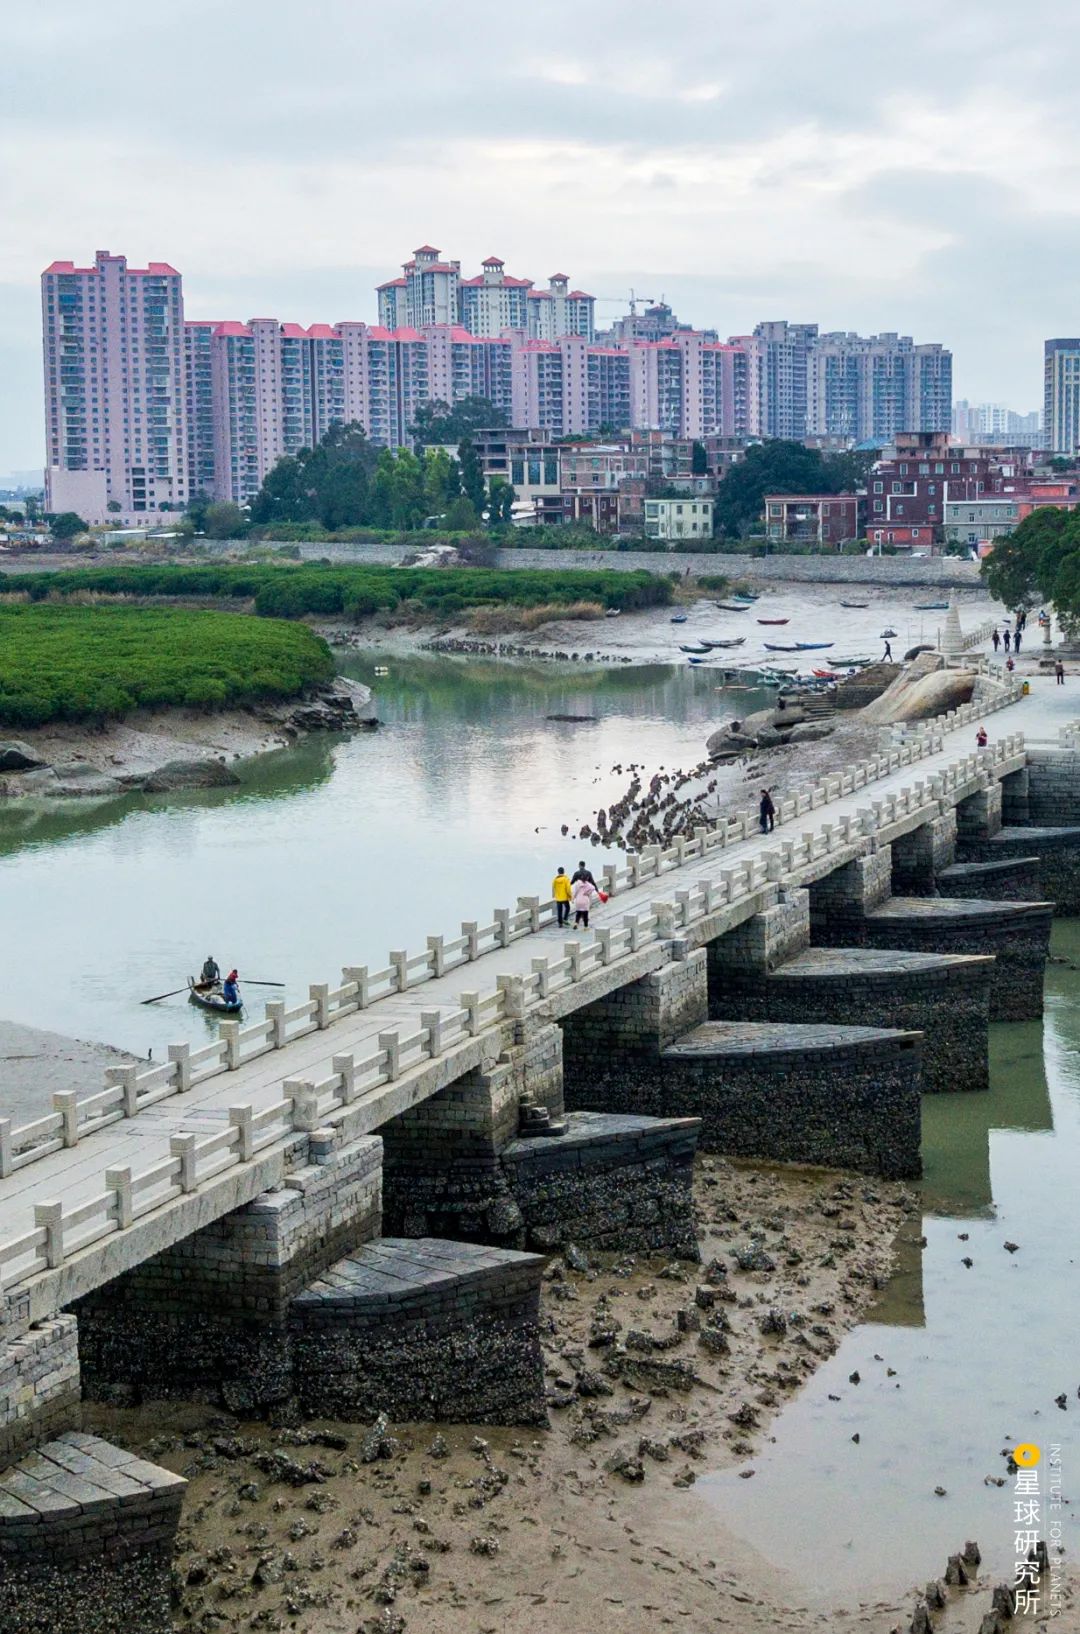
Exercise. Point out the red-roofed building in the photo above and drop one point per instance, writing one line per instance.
(115, 409)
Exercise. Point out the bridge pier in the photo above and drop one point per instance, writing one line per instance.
(766, 971)
(920, 856)
(1017, 934)
(207, 1318)
(424, 1330)
(86, 1540)
(978, 817)
(1058, 853)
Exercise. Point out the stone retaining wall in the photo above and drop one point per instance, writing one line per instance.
(422, 1330)
(1017, 934)
(611, 1182)
(848, 1097)
(86, 1538)
(840, 901)
(827, 568)
(945, 997)
(39, 1385)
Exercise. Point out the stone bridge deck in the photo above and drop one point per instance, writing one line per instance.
(103, 1182)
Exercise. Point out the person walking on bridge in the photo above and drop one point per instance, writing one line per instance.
(1007, 637)
(581, 872)
(585, 894)
(981, 738)
(560, 890)
(996, 638)
(1017, 638)
(1059, 672)
(766, 812)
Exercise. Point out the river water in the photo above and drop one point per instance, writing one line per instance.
(330, 853)
(333, 852)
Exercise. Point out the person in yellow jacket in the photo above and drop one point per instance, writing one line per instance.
(560, 890)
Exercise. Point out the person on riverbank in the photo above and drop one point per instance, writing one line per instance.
(560, 890)
(996, 638)
(981, 738)
(887, 657)
(585, 894)
(766, 812)
(1009, 665)
(1059, 673)
(210, 971)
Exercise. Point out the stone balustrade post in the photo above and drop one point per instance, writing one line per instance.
(305, 1103)
(275, 1015)
(183, 1147)
(432, 1022)
(66, 1102)
(437, 955)
(345, 1067)
(351, 974)
(180, 1056)
(229, 1032)
(242, 1118)
(319, 993)
(50, 1218)
(118, 1181)
(399, 962)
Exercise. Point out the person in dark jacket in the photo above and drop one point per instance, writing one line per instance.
(210, 971)
(581, 872)
(766, 812)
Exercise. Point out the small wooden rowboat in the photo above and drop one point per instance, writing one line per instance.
(854, 604)
(207, 995)
(735, 606)
(734, 641)
(773, 621)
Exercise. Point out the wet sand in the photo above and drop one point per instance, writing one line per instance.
(656, 1372)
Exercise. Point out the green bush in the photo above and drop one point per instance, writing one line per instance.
(77, 663)
(280, 590)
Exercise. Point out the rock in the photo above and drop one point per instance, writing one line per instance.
(924, 689)
(189, 774)
(1004, 1599)
(812, 731)
(956, 1573)
(971, 1554)
(378, 1442)
(77, 780)
(16, 756)
(576, 1260)
(992, 1623)
(920, 1622)
(935, 1596)
(630, 1468)
(1011, 1248)
(440, 1447)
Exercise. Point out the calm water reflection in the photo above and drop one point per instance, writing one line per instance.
(980, 1353)
(334, 852)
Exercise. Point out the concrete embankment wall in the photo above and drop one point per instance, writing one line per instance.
(884, 571)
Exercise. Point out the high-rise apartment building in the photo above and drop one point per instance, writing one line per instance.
(115, 389)
(432, 291)
(199, 405)
(785, 362)
(876, 386)
(494, 301)
(1061, 395)
(994, 424)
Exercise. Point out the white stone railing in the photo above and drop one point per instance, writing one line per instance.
(130, 1089)
(196, 1161)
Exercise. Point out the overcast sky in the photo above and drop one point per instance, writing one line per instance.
(862, 166)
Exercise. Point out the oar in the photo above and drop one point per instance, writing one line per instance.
(248, 983)
(158, 997)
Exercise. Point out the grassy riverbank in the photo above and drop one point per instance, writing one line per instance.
(73, 663)
(352, 592)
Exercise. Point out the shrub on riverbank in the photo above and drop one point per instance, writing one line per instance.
(64, 663)
(280, 590)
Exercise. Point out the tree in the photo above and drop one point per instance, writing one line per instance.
(67, 524)
(460, 516)
(773, 467)
(472, 474)
(328, 483)
(1038, 561)
(699, 460)
(224, 520)
(501, 497)
(438, 422)
(114, 505)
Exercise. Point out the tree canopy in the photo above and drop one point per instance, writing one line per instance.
(1038, 562)
(437, 422)
(66, 524)
(345, 481)
(778, 467)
